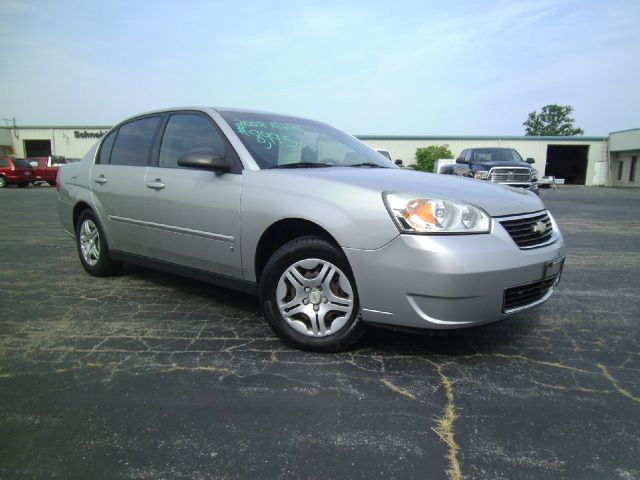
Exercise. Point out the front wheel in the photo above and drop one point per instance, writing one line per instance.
(309, 296)
(3, 182)
(93, 248)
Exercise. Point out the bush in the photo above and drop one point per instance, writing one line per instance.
(426, 156)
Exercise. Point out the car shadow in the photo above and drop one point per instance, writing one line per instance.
(468, 341)
(227, 297)
(377, 340)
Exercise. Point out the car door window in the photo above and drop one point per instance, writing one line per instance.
(133, 142)
(185, 132)
(105, 149)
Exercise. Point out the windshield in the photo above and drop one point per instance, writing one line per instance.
(495, 155)
(277, 141)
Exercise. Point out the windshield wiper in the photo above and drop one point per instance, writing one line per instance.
(303, 165)
(367, 164)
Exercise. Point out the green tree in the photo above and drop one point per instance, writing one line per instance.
(553, 120)
(426, 156)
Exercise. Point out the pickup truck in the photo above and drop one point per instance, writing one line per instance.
(498, 165)
(44, 170)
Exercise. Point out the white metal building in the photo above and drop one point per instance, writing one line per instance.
(69, 142)
(579, 160)
(624, 150)
(610, 161)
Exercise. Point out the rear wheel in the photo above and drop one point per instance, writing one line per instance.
(309, 296)
(92, 247)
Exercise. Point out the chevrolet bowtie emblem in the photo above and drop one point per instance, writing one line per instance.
(539, 228)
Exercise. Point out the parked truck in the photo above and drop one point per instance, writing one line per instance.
(497, 165)
(45, 169)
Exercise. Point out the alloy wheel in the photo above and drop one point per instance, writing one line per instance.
(90, 242)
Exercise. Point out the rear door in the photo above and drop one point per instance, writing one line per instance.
(195, 213)
(118, 183)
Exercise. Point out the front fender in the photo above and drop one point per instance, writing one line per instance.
(355, 217)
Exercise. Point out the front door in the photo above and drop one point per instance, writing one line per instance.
(195, 214)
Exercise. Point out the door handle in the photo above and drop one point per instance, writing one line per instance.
(156, 184)
(101, 180)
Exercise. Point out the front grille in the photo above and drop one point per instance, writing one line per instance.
(527, 294)
(510, 175)
(526, 230)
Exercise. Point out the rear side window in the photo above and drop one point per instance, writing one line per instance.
(4, 163)
(105, 149)
(185, 132)
(133, 143)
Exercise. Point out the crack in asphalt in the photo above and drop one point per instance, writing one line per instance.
(534, 396)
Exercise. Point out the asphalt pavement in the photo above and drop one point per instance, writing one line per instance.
(150, 376)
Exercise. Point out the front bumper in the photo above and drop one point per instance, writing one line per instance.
(452, 281)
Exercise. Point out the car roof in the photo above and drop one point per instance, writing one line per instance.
(208, 109)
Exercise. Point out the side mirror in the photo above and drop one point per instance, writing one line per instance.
(461, 160)
(530, 160)
(398, 162)
(205, 159)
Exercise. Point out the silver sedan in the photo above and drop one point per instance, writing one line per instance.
(329, 233)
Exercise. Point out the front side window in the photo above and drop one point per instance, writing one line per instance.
(21, 163)
(185, 132)
(277, 141)
(133, 143)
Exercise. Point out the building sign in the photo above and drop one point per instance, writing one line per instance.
(85, 134)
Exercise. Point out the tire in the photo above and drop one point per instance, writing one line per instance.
(23, 185)
(309, 297)
(3, 182)
(92, 247)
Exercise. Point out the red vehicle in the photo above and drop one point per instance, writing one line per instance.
(44, 170)
(15, 171)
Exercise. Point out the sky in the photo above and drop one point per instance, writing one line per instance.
(400, 67)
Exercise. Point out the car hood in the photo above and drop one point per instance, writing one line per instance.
(489, 165)
(496, 200)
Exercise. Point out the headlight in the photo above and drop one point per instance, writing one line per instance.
(414, 214)
(534, 175)
(481, 175)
